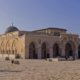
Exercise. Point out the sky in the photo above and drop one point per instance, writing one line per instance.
(37, 14)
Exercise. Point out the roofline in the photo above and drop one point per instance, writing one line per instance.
(52, 28)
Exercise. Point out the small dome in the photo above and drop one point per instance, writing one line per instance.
(11, 29)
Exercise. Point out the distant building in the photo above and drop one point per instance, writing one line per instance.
(39, 44)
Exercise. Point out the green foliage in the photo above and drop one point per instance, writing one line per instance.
(7, 58)
(17, 56)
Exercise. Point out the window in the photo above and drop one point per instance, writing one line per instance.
(56, 33)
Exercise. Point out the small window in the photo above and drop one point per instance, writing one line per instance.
(56, 33)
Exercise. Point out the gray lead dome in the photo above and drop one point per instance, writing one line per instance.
(11, 29)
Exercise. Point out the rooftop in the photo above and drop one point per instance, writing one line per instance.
(11, 29)
(52, 28)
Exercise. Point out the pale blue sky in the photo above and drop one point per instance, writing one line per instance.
(36, 14)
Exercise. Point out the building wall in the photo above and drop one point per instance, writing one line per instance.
(62, 40)
(19, 43)
(11, 44)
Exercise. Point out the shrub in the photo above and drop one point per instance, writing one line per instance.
(7, 58)
(17, 56)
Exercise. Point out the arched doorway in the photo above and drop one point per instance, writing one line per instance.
(32, 51)
(79, 51)
(44, 53)
(55, 50)
(69, 50)
(14, 47)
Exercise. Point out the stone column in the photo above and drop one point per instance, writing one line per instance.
(51, 52)
(39, 52)
(26, 51)
(63, 52)
(76, 53)
(62, 47)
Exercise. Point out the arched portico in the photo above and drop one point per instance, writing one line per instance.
(79, 51)
(32, 51)
(8, 51)
(43, 51)
(70, 50)
(14, 47)
(55, 50)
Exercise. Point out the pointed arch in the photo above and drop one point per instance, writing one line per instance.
(14, 47)
(2, 47)
(43, 50)
(56, 50)
(8, 51)
(32, 51)
(79, 51)
(70, 49)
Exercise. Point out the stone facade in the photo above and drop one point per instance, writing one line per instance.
(39, 44)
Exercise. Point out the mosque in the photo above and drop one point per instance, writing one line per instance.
(39, 44)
